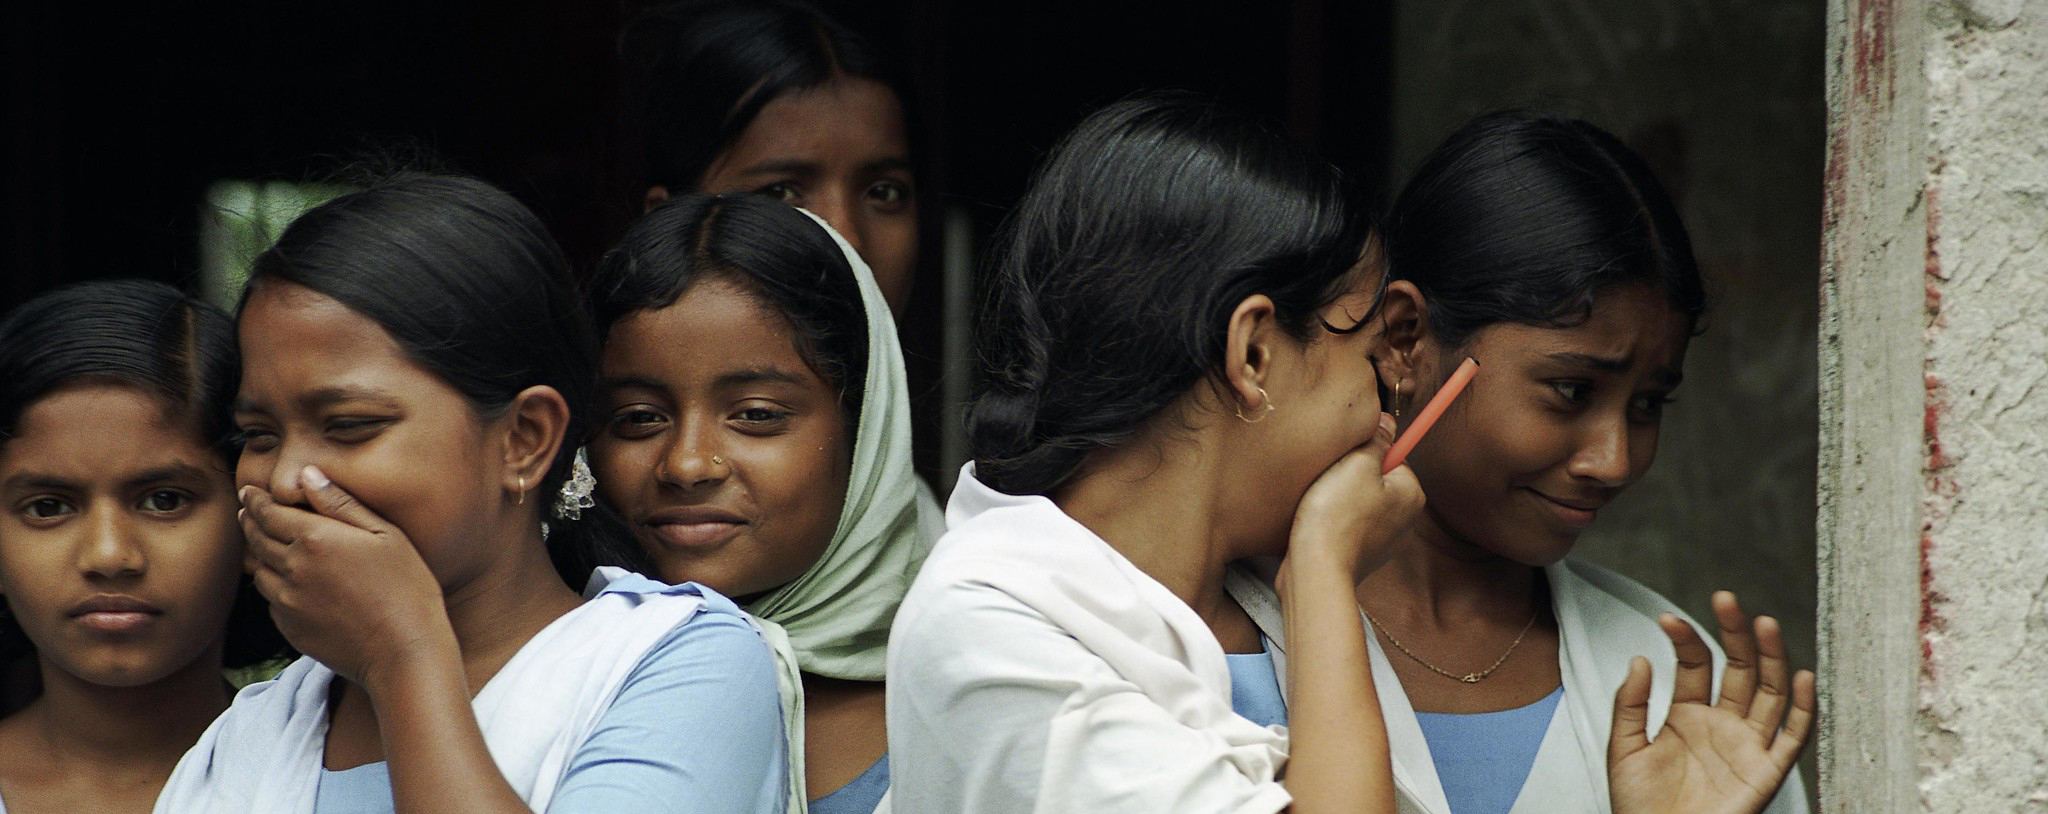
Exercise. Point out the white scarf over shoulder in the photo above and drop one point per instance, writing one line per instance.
(1034, 669)
(263, 756)
(1603, 620)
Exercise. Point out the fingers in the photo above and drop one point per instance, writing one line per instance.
(1739, 678)
(1694, 681)
(333, 501)
(1773, 687)
(1631, 712)
(262, 548)
(1798, 725)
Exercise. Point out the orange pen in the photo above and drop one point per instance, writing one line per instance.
(1430, 413)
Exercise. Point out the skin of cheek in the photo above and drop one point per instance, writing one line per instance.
(1325, 405)
(842, 129)
(430, 471)
(787, 487)
(187, 561)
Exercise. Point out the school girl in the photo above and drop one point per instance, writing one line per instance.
(416, 373)
(1178, 378)
(773, 96)
(1514, 679)
(756, 440)
(120, 560)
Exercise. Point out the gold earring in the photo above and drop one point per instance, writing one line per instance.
(1397, 398)
(522, 492)
(1262, 416)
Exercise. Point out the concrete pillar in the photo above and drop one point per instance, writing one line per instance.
(1933, 524)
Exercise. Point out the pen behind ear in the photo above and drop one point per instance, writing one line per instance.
(1430, 413)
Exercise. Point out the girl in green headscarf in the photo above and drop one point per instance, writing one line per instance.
(757, 440)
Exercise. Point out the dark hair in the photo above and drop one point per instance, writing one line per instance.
(1115, 278)
(154, 338)
(471, 287)
(1525, 217)
(707, 69)
(765, 246)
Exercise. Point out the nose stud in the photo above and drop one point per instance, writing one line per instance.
(717, 461)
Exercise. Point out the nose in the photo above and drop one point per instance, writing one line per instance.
(839, 210)
(693, 458)
(112, 550)
(1603, 454)
(276, 472)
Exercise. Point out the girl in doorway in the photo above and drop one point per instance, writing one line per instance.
(775, 97)
(1512, 678)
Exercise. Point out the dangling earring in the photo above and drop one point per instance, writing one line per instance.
(1397, 398)
(1262, 416)
(522, 492)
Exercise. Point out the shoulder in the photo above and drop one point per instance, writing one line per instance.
(1610, 603)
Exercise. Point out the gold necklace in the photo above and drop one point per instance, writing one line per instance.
(1468, 678)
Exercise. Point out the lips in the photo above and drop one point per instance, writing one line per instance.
(115, 614)
(1574, 512)
(698, 527)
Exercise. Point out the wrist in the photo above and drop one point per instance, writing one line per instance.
(420, 659)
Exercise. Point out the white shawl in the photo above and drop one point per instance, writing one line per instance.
(1034, 669)
(264, 754)
(1603, 620)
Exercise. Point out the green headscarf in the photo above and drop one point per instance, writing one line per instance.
(833, 620)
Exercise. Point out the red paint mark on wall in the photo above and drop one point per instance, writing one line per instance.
(1870, 49)
(1941, 488)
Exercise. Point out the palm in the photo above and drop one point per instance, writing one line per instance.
(1725, 756)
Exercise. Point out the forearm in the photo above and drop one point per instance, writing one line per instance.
(432, 745)
(1338, 758)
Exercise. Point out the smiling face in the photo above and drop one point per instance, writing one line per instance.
(324, 385)
(841, 151)
(1558, 421)
(724, 450)
(119, 553)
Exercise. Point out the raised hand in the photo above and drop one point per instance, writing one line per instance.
(1352, 514)
(345, 586)
(1725, 756)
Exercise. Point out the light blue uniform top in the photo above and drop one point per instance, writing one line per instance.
(1483, 759)
(1255, 687)
(696, 727)
(858, 796)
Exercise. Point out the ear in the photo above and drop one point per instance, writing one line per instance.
(534, 426)
(1404, 320)
(656, 196)
(1248, 354)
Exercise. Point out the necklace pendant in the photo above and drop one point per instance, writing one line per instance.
(1470, 678)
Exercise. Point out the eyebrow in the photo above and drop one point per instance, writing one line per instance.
(38, 480)
(638, 382)
(327, 396)
(1610, 364)
(783, 166)
(758, 375)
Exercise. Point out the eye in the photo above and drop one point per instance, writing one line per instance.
(165, 501)
(354, 429)
(890, 194)
(48, 508)
(636, 421)
(1651, 405)
(761, 419)
(783, 191)
(255, 440)
(1573, 392)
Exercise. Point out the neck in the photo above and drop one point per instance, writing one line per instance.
(1442, 579)
(128, 729)
(1159, 504)
(501, 609)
